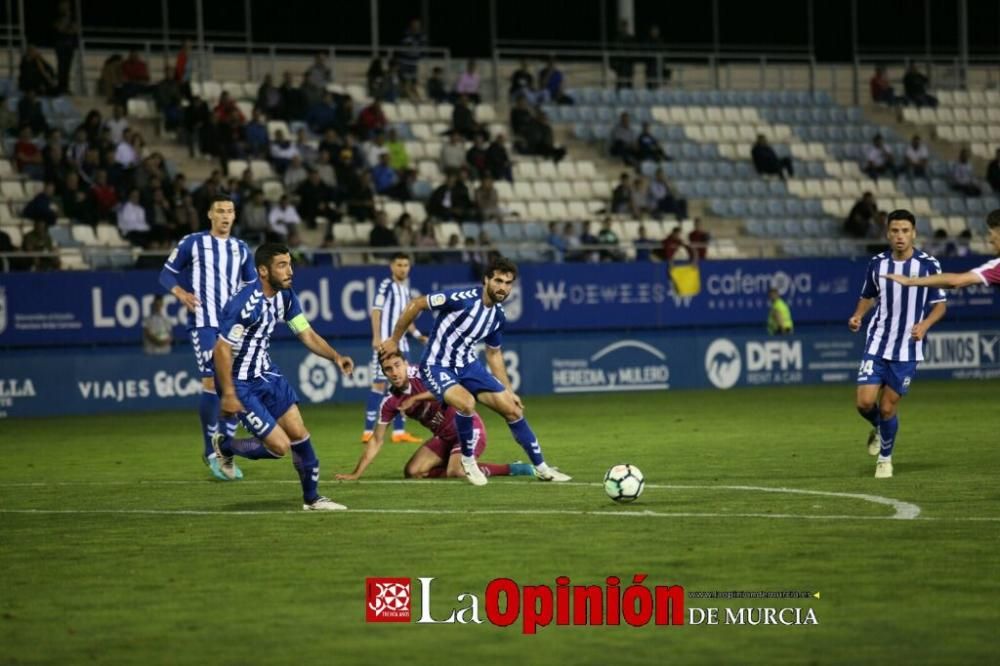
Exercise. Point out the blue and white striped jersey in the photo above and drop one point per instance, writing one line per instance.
(212, 269)
(247, 324)
(898, 308)
(462, 323)
(391, 298)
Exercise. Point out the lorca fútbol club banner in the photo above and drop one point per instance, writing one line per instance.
(108, 307)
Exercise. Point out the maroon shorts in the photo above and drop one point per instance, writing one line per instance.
(443, 448)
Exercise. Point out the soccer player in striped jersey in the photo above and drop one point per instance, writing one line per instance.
(253, 388)
(987, 274)
(896, 332)
(440, 456)
(451, 369)
(391, 298)
(203, 272)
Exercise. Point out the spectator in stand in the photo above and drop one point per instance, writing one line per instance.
(881, 89)
(76, 150)
(282, 152)
(521, 116)
(7, 247)
(381, 235)
(673, 244)
(316, 78)
(43, 206)
(64, 30)
(861, 219)
(198, 127)
(361, 204)
(103, 197)
(993, 172)
(323, 114)
(306, 146)
(129, 151)
(110, 79)
(325, 169)
(452, 157)
(654, 44)
(621, 197)
(539, 139)
(168, 97)
(254, 219)
(522, 84)
(160, 216)
(386, 180)
(915, 87)
(295, 173)
(117, 123)
(30, 114)
(374, 150)
(558, 245)
(648, 148)
(624, 40)
(39, 240)
(623, 140)
(406, 235)
(426, 238)
(183, 67)
(451, 201)
(662, 199)
(186, 215)
(399, 159)
(962, 178)
(230, 137)
(344, 123)
(916, 157)
(74, 200)
(413, 44)
(299, 252)
(316, 199)
(609, 239)
(640, 197)
(269, 100)
(27, 156)
(463, 120)
(135, 77)
(879, 159)
(132, 220)
(36, 74)
(294, 103)
(699, 239)
(588, 240)
(372, 120)
(8, 119)
(54, 161)
(550, 82)
(436, 88)
(644, 245)
(572, 240)
(487, 200)
(282, 218)
(476, 158)
(375, 76)
(467, 84)
(256, 136)
(225, 108)
(767, 163)
(452, 253)
(940, 246)
(498, 160)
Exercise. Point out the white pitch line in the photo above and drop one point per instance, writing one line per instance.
(903, 510)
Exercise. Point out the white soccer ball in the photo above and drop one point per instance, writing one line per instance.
(624, 483)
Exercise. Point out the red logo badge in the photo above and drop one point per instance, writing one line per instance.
(387, 599)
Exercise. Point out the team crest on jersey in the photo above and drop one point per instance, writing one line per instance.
(236, 332)
(437, 300)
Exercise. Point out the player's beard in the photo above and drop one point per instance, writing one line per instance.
(276, 284)
(494, 297)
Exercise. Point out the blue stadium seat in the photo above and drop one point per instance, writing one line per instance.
(707, 188)
(708, 151)
(725, 170)
(775, 208)
(777, 188)
(706, 170)
(774, 228)
(741, 208)
(812, 227)
(758, 188)
(813, 207)
(924, 227)
(795, 207)
(533, 230)
(721, 206)
(513, 231)
(755, 227)
(582, 132)
(957, 206)
(745, 170)
(757, 208)
(740, 188)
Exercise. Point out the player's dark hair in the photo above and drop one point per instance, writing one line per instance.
(219, 198)
(993, 219)
(400, 255)
(500, 265)
(268, 251)
(383, 357)
(901, 214)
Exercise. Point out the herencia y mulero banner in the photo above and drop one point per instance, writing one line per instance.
(66, 308)
(74, 381)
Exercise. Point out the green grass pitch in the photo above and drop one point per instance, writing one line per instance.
(116, 547)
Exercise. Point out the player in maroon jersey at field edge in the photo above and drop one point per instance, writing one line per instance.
(987, 274)
(441, 454)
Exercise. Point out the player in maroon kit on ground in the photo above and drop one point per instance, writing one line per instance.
(441, 454)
